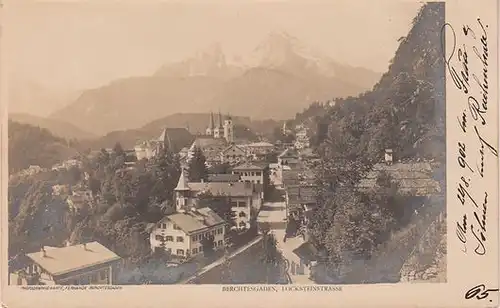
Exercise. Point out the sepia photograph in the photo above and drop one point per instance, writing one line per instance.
(311, 151)
(157, 147)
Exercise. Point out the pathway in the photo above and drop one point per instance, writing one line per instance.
(273, 215)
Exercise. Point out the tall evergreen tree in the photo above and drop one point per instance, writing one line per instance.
(197, 168)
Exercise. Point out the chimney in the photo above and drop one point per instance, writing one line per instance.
(388, 156)
(44, 252)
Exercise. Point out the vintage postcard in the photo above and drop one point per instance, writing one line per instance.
(250, 153)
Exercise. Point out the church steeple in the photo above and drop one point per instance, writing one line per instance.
(211, 125)
(182, 185)
(220, 120)
(182, 193)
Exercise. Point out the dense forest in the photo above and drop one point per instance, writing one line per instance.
(404, 112)
(31, 145)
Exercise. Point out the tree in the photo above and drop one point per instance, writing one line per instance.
(220, 168)
(165, 169)
(221, 205)
(207, 242)
(270, 258)
(197, 166)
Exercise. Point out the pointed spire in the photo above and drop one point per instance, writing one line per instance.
(220, 119)
(182, 185)
(211, 125)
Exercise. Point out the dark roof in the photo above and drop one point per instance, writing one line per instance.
(196, 220)
(306, 251)
(415, 178)
(250, 166)
(223, 177)
(237, 189)
(298, 194)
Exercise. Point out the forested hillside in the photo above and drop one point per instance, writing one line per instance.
(404, 112)
(117, 218)
(31, 145)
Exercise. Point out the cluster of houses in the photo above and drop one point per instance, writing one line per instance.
(192, 219)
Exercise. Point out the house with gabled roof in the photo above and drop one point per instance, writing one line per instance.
(414, 177)
(289, 157)
(243, 197)
(233, 154)
(82, 264)
(181, 234)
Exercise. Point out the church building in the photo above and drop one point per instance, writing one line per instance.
(224, 128)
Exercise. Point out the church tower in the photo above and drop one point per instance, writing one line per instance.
(219, 130)
(229, 129)
(182, 192)
(211, 125)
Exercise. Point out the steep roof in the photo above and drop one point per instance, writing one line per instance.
(223, 177)
(196, 220)
(415, 178)
(249, 166)
(182, 184)
(63, 260)
(237, 189)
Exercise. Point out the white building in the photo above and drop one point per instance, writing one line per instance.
(242, 197)
(181, 234)
(83, 264)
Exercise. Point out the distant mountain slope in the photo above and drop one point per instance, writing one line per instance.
(179, 137)
(30, 145)
(56, 127)
(282, 82)
(177, 125)
(30, 97)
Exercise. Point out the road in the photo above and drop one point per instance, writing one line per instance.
(273, 215)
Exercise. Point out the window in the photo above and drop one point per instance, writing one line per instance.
(180, 239)
(176, 227)
(102, 275)
(258, 181)
(258, 173)
(219, 231)
(159, 238)
(93, 277)
(242, 214)
(194, 238)
(201, 248)
(169, 238)
(220, 243)
(180, 252)
(195, 251)
(163, 226)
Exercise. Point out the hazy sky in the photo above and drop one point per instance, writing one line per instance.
(86, 44)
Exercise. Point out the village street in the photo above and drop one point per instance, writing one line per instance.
(273, 215)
